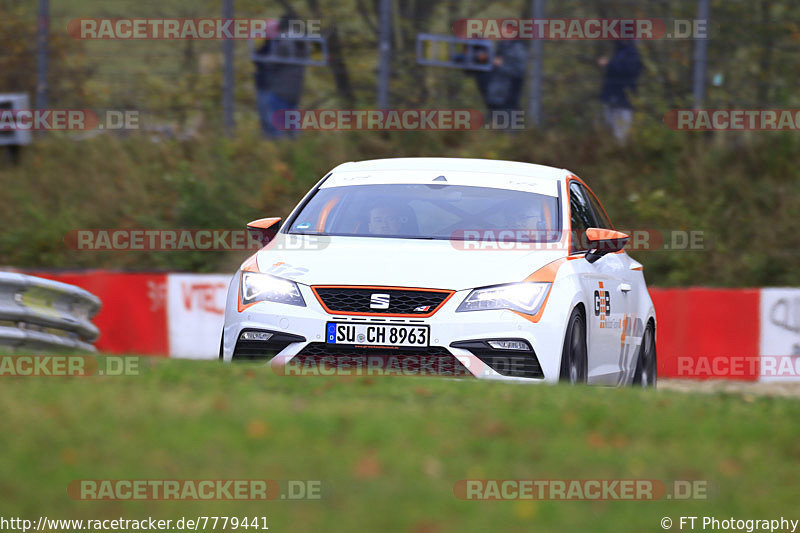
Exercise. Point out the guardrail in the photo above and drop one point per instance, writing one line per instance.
(38, 313)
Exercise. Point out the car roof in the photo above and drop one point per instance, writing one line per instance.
(456, 164)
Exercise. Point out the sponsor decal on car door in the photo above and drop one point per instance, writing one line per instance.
(606, 322)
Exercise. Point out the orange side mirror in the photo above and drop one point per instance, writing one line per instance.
(264, 229)
(604, 241)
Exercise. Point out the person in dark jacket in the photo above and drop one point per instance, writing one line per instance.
(278, 85)
(621, 75)
(501, 86)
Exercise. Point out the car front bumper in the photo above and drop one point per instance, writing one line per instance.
(301, 330)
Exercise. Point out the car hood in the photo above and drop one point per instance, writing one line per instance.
(315, 260)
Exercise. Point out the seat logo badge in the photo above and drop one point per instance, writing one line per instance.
(379, 301)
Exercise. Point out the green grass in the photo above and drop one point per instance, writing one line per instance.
(388, 450)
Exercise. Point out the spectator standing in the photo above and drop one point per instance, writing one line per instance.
(278, 85)
(619, 81)
(502, 85)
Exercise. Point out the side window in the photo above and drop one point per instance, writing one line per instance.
(599, 214)
(582, 217)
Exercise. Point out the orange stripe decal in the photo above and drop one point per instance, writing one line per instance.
(546, 274)
(250, 264)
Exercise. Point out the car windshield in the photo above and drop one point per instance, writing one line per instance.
(429, 211)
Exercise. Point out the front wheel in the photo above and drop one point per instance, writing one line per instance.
(645, 374)
(574, 356)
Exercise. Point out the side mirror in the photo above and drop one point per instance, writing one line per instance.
(604, 241)
(264, 230)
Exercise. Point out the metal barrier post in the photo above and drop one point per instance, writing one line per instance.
(535, 96)
(700, 52)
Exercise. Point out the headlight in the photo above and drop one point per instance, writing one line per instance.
(258, 287)
(525, 297)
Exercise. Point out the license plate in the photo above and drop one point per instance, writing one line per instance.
(376, 334)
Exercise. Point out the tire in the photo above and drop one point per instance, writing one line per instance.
(646, 371)
(574, 356)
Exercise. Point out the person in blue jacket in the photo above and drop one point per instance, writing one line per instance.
(619, 82)
(278, 85)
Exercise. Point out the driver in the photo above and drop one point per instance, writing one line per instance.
(386, 220)
(528, 221)
(528, 217)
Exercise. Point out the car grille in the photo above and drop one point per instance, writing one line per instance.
(357, 300)
(431, 361)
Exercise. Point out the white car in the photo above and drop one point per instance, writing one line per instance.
(501, 270)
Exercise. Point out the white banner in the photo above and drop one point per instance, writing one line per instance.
(195, 314)
(780, 335)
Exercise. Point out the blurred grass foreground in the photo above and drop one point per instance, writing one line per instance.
(388, 452)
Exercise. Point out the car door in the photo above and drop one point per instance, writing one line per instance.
(605, 289)
(631, 285)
